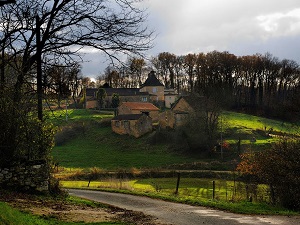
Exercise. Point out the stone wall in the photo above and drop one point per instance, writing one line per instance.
(32, 176)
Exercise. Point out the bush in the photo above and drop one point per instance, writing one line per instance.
(279, 167)
(69, 132)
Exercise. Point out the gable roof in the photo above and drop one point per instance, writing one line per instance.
(152, 80)
(128, 117)
(195, 102)
(120, 91)
(140, 106)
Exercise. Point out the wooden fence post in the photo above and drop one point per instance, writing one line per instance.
(214, 188)
(177, 185)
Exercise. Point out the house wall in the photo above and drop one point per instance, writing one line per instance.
(142, 126)
(118, 127)
(91, 104)
(158, 91)
(181, 119)
(134, 128)
(183, 106)
(166, 119)
(169, 100)
(154, 116)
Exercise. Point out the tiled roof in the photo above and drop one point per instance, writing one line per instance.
(140, 106)
(128, 117)
(195, 102)
(121, 91)
(152, 80)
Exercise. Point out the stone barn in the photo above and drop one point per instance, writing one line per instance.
(132, 124)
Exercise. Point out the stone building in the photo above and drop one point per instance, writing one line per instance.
(152, 91)
(139, 108)
(155, 89)
(132, 124)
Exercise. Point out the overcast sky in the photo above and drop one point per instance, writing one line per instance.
(242, 27)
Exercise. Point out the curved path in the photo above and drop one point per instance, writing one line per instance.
(180, 214)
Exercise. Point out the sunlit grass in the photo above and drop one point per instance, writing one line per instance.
(62, 116)
(229, 195)
(246, 122)
(196, 188)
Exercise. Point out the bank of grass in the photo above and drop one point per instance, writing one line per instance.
(11, 216)
(97, 146)
(63, 117)
(250, 122)
(88, 141)
(241, 129)
(188, 194)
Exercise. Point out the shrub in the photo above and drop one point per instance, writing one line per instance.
(279, 167)
(69, 132)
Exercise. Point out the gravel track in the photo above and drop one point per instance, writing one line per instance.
(180, 214)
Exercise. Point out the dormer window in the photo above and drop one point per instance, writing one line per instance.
(154, 89)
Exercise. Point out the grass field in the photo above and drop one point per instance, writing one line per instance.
(91, 143)
(196, 188)
(95, 145)
(88, 143)
(229, 195)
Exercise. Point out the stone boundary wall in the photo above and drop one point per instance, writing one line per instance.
(32, 176)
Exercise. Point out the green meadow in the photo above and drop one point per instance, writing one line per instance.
(228, 195)
(86, 143)
(89, 142)
(85, 140)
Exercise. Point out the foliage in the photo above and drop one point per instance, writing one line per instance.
(200, 132)
(23, 136)
(69, 132)
(115, 101)
(278, 167)
(257, 84)
(101, 95)
(229, 195)
(62, 81)
(160, 148)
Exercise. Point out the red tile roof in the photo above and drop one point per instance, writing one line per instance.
(140, 106)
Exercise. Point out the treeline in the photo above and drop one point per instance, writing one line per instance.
(258, 84)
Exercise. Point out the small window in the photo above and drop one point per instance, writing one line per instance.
(144, 99)
(154, 90)
(126, 124)
(117, 123)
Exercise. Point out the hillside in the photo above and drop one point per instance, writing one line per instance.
(85, 140)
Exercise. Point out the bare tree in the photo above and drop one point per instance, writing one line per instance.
(66, 26)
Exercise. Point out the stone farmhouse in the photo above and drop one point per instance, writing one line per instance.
(152, 91)
(135, 118)
(128, 121)
(132, 124)
(139, 108)
(182, 110)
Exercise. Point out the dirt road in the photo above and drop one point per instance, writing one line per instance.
(181, 214)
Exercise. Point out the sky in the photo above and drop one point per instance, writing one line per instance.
(241, 27)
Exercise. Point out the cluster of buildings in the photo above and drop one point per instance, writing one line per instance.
(141, 108)
(151, 91)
